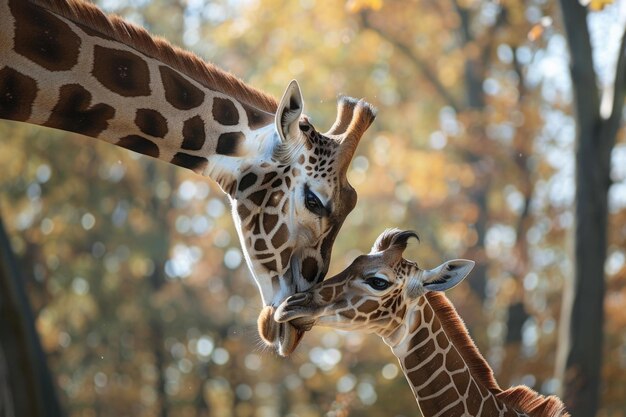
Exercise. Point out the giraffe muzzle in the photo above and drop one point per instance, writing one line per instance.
(284, 337)
(298, 310)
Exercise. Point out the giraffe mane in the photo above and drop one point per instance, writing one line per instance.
(520, 398)
(456, 331)
(532, 403)
(88, 15)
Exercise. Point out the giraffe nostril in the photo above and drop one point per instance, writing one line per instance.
(297, 298)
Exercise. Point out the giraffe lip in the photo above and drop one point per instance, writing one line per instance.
(284, 337)
(298, 311)
(285, 313)
(289, 338)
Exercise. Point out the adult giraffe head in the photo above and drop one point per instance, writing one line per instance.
(67, 65)
(289, 205)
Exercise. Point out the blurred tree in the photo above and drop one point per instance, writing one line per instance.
(479, 41)
(581, 342)
(26, 386)
(89, 236)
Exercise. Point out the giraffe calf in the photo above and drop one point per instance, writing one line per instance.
(383, 293)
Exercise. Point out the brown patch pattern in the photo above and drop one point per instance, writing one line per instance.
(270, 266)
(179, 91)
(449, 376)
(228, 143)
(151, 122)
(224, 112)
(257, 118)
(121, 72)
(17, 93)
(458, 335)
(195, 163)
(139, 144)
(458, 410)
(368, 306)
(269, 222)
(260, 244)
(285, 256)
(440, 381)
(43, 38)
(75, 113)
(268, 177)
(257, 197)
(113, 27)
(281, 236)
(309, 269)
(474, 399)
(193, 134)
(247, 181)
(183, 77)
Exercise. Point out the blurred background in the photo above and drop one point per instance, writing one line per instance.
(142, 300)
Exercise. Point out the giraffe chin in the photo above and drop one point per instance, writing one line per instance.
(284, 337)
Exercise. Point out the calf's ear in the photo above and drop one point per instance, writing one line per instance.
(447, 275)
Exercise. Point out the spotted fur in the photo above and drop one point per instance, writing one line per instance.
(445, 370)
(67, 65)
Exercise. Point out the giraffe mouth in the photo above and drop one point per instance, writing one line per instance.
(284, 337)
(299, 311)
(289, 338)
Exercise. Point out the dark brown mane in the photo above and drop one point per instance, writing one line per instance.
(520, 398)
(535, 405)
(457, 333)
(89, 16)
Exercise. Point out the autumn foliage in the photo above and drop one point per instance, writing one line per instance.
(143, 301)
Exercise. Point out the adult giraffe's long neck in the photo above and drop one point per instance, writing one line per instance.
(449, 376)
(66, 65)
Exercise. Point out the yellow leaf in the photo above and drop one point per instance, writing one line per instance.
(355, 6)
(596, 5)
(535, 32)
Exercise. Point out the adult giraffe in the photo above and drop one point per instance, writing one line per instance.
(384, 293)
(65, 64)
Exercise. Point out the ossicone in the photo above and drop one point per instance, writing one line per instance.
(393, 238)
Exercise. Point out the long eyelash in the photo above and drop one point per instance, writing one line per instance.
(440, 280)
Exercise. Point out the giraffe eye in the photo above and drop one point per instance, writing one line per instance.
(378, 283)
(312, 203)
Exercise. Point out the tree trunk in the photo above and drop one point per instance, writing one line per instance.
(160, 363)
(26, 386)
(579, 361)
(157, 280)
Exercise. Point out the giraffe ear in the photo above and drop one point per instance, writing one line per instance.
(447, 275)
(288, 113)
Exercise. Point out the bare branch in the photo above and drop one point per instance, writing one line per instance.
(491, 35)
(584, 84)
(465, 22)
(420, 63)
